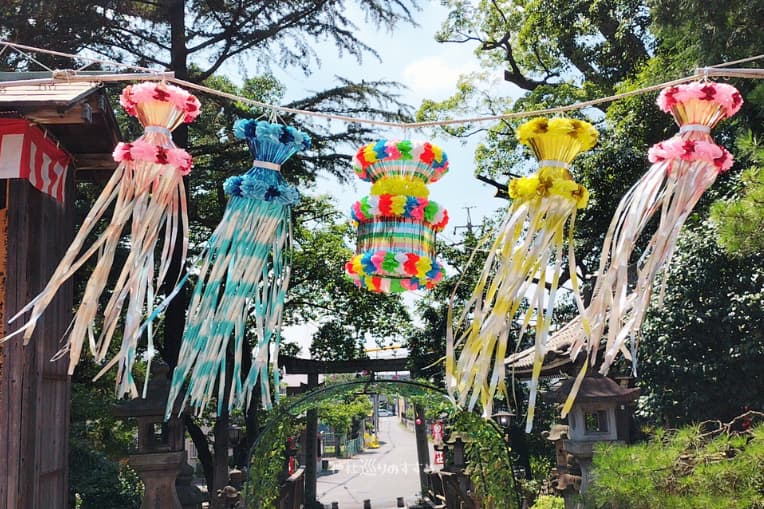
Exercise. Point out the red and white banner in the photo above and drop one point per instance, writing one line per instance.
(25, 152)
(437, 432)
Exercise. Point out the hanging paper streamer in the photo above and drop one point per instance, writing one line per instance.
(683, 168)
(525, 257)
(243, 269)
(397, 223)
(147, 195)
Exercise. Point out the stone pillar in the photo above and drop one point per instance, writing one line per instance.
(158, 471)
(583, 452)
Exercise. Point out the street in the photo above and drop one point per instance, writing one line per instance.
(380, 475)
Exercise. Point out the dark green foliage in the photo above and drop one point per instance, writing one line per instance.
(702, 352)
(699, 33)
(685, 469)
(97, 482)
(708, 337)
(487, 456)
(268, 461)
(272, 32)
(740, 220)
(334, 341)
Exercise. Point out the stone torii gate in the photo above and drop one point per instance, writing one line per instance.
(313, 368)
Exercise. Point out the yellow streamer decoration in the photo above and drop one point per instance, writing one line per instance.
(528, 249)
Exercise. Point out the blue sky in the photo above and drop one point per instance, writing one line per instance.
(429, 71)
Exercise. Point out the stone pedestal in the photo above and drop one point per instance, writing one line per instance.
(583, 452)
(158, 472)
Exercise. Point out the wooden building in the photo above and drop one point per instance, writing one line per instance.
(49, 137)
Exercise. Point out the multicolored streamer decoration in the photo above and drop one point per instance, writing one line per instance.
(683, 168)
(525, 257)
(244, 268)
(397, 222)
(147, 195)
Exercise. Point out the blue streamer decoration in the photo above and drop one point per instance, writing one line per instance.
(244, 270)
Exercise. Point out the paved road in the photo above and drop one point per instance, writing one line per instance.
(379, 475)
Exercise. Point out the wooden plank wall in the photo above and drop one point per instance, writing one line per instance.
(34, 412)
(3, 263)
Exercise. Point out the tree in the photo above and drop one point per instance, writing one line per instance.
(550, 42)
(556, 53)
(171, 34)
(98, 442)
(705, 341)
(697, 466)
(340, 413)
(741, 220)
(562, 52)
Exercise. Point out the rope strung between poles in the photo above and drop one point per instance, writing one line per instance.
(71, 76)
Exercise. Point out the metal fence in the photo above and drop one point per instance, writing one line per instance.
(353, 447)
(347, 448)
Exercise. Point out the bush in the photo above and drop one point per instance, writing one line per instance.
(96, 482)
(688, 468)
(549, 502)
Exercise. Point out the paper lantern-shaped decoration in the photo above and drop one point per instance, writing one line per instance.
(147, 197)
(243, 267)
(683, 168)
(397, 222)
(525, 257)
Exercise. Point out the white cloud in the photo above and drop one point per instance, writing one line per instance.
(434, 76)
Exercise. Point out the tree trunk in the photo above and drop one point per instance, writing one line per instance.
(220, 458)
(202, 448)
(175, 316)
(252, 428)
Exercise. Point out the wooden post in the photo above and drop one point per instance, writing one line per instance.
(422, 449)
(311, 433)
(3, 268)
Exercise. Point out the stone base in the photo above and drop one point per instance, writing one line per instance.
(158, 472)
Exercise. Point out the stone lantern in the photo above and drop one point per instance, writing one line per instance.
(161, 454)
(599, 414)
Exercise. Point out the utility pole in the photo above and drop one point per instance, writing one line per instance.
(422, 447)
(469, 226)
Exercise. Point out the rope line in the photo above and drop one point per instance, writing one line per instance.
(741, 61)
(70, 76)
